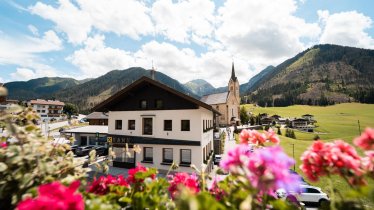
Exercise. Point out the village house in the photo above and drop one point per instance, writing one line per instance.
(47, 109)
(97, 118)
(169, 126)
(227, 103)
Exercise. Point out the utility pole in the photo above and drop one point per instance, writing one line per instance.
(293, 156)
(359, 128)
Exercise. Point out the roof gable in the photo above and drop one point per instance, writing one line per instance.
(217, 98)
(150, 90)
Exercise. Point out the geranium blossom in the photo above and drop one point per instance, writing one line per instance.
(215, 190)
(101, 186)
(366, 140)
(3, 145)
(138, 169)
(368, 163)
(331, 158)
(55, 196)
(255, 137)
(180, 180)
(235, 158)
(268, 170)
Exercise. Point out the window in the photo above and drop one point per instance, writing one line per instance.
(185, 156)
(311, 190)
(167, 155)
(185, 125)
(143, 104)
(131, 125)
(148, 154)
(168, 125)
(43, 111)
(118, 124)
(147, 126)
(159, 104)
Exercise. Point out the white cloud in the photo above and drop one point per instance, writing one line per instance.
(346, 28)
(23, 51)
(121, 17)
(267, 29)
(179, 21)
(33, 30)
(96, 59)
(68, 18)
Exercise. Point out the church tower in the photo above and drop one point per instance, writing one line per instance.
(234, 84)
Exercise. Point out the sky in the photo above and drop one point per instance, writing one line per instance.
(194, 39)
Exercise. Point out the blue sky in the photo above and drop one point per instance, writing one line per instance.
(185, 39)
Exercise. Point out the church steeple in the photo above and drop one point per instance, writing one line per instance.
(233, 77)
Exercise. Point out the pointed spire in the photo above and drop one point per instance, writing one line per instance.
(153, 72)
(233, 77)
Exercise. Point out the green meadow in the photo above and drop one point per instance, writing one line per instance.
(334, 122)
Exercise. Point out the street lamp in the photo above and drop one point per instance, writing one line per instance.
(293, 155)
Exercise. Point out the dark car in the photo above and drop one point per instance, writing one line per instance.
(73, 148)
(83, 150)
(100, 150)
(217, 159)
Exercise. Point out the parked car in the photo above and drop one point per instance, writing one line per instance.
(73, 148)
(100, 150)
(83, 150)
(312, 195)
(83, 120)
(217, 159)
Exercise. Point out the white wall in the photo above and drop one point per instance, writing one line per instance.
(195, 116)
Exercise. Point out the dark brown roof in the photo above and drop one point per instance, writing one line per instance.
(97, 115)
(47, 102)
(144, 79)
(217, 98)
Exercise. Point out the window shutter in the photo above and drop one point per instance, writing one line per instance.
(186, 156)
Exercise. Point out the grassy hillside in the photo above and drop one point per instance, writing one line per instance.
(337, 121)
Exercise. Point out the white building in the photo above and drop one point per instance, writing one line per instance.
(47, 109)
(169, 126)
(89, 135)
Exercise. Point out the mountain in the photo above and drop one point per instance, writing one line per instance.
(322, 75)
(90, 93)
(200, 87)
(38, 88)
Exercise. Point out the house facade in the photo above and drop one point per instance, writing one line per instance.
(227, 103)
(47, 109)
(97, 118)
(167, 125)
(88, 135)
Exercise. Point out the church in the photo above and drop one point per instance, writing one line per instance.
(227, 103)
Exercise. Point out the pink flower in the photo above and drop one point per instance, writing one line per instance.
(270, 134)
(101, 186)
(255, 137)
(55, 196)
(180, 180)
(138, 169)
(3, 145)
(366, 140)
(368, 163)
(268, 170)
(235, 158)
(215, 190)
(331, 158)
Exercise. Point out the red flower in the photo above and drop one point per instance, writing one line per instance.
(3, 145)
(270, 134)
(102, 185)
(332, 158)
(55, 196)
(366, 140)
(180, 180)
(368, 163)
(138, 169)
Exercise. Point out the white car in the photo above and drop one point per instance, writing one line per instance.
(312, 195)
